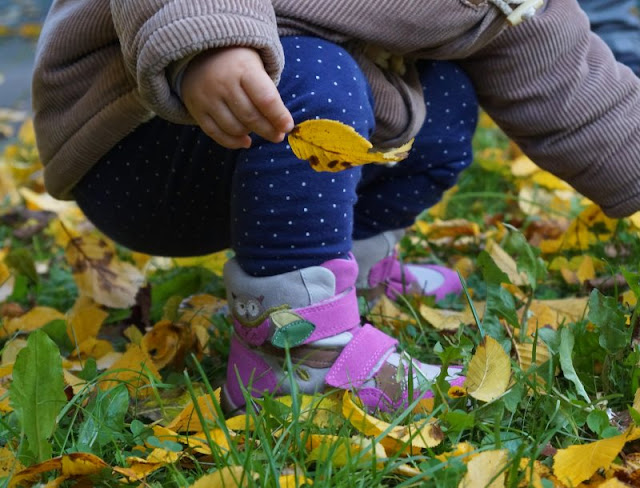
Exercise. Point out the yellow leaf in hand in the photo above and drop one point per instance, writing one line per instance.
(576, 464)
(489, 371)
(99, 273)
(332, 146)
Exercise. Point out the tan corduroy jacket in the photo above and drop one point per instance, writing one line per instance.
(549, 83)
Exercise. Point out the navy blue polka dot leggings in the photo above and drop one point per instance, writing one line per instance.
(169, 190)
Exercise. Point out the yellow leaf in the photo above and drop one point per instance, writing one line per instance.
(525, 355)
(580, 234)
(99, 273)
(30, 321)
(507, 264)
(5, 407)
(448, 228)
(199, 442)
(486, 470)
(419, 435)
(576, 464)
(11, 349)
(92, 348)
(132, 369)
(586, 270)
(449, 320)
(168, 343)
(613, 483)
(75, 464)
(549, 181)
(293, 481)
(6, 370)
(533, 474)
(213, 262)
(567, 309)
(76, 384)
(332, 146)
(240, 422)
(629, 298)
(84, 320)
(463, 449)
(340, 451)
(523, 167)
(9, 463)
(489, 371)
(227, 477)
(636, 401)
(386, 312)
(188, 421)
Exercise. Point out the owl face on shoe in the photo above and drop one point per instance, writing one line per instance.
(249, 310)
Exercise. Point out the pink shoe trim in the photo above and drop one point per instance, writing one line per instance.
(331, 317)
(400, 280)
(355, 364)
(345, 271)
(249, 369)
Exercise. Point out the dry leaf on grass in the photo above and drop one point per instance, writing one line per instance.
(70, 465)
(99, 273)
(489, 371)
(486, 470)
(576, 464)
(188, 421)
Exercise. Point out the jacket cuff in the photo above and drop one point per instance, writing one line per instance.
(165, 50)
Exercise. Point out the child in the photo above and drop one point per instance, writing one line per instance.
(119, 85)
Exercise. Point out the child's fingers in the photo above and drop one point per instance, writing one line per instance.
(213, 130)
(249, 115)
(264, 95)
(226, 120)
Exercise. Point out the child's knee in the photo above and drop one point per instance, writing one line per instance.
(322, 80)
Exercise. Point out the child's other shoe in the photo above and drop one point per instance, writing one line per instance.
(380, 269)
(314, 314)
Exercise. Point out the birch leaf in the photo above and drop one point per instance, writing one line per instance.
(84, 320)
(332, 146)
(576, 464)
(34, 319)
(489, 371)
(188, 421)
(99, 273)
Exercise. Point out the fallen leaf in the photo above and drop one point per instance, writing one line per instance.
(188, 421)
(340, 451)
(386, 312)
(332, 146)
(576, 464)
(169, 343)
(99, 273)
(486, 470)
(446, 320)
(76, 464)
(489, 371)
(580, 235)
(34, 319)
(133, 368)
(227, 477)
(420, 435)
(84, 320)
(507, 264)
(9, 463)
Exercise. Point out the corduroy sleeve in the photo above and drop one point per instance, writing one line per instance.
(555, 88)
(155, 33)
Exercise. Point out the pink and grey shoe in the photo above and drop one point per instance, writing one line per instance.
(314, 313)
(380, 270)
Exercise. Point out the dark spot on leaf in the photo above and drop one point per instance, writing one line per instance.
(333, 164)
(346, 165)
(314, 160)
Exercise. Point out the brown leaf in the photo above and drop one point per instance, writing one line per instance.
(99, 273)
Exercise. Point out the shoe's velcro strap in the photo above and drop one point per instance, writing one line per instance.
(355, 365)
(332, 317)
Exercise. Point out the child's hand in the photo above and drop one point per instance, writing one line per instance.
(229, 94)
